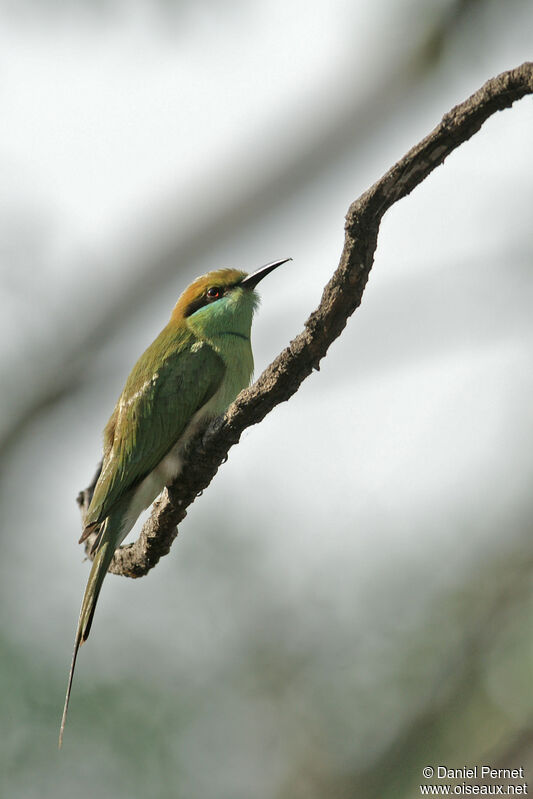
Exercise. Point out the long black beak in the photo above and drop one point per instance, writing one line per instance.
(251, 281)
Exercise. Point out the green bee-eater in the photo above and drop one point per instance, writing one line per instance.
(190, 374)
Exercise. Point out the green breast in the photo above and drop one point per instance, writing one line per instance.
(236, 352)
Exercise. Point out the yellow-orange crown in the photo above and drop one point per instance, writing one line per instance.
(194, 294)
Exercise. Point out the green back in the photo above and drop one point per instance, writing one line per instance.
(173, 378)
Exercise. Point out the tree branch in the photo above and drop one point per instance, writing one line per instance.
(341, 296)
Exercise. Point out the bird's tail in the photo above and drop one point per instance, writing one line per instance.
(99, 569)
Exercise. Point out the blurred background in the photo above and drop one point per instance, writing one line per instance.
(352, 598)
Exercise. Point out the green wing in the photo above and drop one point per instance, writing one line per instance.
(173, 379)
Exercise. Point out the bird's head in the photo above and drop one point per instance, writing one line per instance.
(222, 301)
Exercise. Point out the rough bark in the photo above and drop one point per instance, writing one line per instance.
(341, 296)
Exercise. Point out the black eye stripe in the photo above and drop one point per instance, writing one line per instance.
(205, 299)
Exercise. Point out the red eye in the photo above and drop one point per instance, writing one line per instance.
(213, 293)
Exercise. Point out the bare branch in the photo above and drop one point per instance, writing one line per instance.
(341, 296)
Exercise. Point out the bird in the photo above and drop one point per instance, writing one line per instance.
(188, 376)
